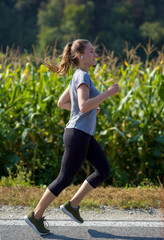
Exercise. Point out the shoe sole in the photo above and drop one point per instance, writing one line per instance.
(33, 226)
(69, 214)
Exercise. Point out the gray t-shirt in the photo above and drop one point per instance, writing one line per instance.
(85, 122)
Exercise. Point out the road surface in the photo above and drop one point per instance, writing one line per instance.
(106, 223)
(68, 230)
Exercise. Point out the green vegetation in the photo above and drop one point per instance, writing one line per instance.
(129, 126)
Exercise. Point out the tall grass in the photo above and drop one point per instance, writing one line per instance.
(130, 125)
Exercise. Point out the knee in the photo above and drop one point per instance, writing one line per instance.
(60, 183)
(105, 173)
(65, 181)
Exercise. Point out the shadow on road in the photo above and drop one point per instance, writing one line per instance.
(97, 234)
(61, 237)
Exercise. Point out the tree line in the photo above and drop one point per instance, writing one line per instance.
(42, 23)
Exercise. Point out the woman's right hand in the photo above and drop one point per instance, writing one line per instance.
(113, 89)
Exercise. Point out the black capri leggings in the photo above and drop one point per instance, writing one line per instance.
(78, 147)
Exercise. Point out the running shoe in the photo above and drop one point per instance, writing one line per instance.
(72, 212)
(36, 224)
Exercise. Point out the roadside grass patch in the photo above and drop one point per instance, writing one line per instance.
(122, 198)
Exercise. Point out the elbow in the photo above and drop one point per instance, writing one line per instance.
(83, 109)
(59, 104)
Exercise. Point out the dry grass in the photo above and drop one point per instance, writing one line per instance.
(110, 196)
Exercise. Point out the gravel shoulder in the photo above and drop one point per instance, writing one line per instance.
(104, 213)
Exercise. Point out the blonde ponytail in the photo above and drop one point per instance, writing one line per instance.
(66, 61)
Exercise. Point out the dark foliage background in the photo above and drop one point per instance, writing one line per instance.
(43, 22)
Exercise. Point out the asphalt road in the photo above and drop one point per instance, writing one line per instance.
(99, 230)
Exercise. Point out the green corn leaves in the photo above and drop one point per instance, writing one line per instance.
(130, 124)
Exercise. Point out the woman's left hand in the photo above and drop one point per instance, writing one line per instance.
(98, 110)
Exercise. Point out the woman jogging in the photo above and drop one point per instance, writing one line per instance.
(82, 99)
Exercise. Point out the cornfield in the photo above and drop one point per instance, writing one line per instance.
(130, 125)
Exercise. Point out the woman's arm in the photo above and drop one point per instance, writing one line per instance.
(64, 101)
(86, 103)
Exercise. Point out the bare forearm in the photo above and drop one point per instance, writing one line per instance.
(66, 106)
(86, 104)
(64, 101)
(94, 102)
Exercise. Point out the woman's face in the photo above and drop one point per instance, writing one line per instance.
(89, 55)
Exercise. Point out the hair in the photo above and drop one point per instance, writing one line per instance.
(69, 56)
